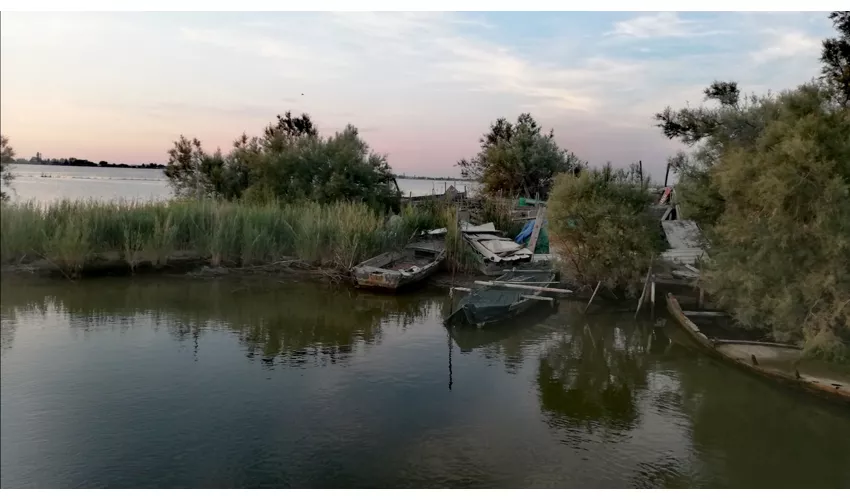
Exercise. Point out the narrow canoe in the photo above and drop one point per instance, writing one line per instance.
(780, 362)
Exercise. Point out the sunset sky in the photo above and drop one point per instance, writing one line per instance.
(421, 87)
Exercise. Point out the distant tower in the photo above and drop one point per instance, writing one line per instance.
(38, 157)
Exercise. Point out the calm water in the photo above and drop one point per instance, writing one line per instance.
(174, 382)
(47, 183)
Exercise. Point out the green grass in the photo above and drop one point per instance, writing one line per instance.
(71, 234)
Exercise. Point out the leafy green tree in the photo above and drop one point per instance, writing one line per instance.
(835, 57)
(781, 248)
(7, 156)
(727, 120)
(519, 159)
(289, 161)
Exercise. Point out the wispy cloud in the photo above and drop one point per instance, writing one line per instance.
(660, 25)
(782, 45)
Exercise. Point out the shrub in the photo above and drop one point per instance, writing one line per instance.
(599, 225)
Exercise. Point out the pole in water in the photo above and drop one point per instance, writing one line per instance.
(449, 337)
(592, 296)
(652, 298)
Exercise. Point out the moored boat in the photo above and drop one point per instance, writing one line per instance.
(780, 362)
(397, 270)
(513, 293)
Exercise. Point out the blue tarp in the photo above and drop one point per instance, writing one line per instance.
(525, 234)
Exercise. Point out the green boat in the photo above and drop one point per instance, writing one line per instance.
(499, 300)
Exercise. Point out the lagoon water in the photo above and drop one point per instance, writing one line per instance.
(155, 381)
(186, 382)
(51, 182)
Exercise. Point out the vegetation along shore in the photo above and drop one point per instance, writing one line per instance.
(766, 178)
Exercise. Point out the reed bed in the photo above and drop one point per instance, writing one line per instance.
(73, 234)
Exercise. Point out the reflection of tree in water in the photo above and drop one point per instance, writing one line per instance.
(506, 341)
(8, 324)
(294, 322)
(590, 376)
(752, 433)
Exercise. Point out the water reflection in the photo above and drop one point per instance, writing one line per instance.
(284, 323)
(589, 376)
(507, 341)
(151, 379)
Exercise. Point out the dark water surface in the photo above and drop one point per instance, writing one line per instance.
(172, 382)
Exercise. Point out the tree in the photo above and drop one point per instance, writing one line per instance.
(780, 249)
(835, 57)
(290, 161)
(519, 158)
(729, 120)
(7, 156)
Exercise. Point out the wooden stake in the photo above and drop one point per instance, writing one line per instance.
(652, 298)
(538, 224)
(643, 291)
(592, 296)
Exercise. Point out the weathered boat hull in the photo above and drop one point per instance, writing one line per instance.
(378, 273)
(743, 354)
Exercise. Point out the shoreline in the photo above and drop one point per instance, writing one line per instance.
(187, 265)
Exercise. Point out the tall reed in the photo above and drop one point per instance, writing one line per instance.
(72, 233)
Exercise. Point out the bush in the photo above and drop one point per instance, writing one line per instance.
(599, 224)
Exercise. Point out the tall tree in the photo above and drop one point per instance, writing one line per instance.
(835, 57)
(519, 158)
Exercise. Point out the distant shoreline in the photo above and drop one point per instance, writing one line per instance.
(146, 166)
(425, 178)
(153, 166)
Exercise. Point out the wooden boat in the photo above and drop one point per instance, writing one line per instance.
(513, 293)
(780, 362)
(397, 270)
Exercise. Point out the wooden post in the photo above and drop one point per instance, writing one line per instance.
(592, 296)
(643, 291)
(652, 298)
(667, 175)
(701, 297)
(538, 224)
(640, 167)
